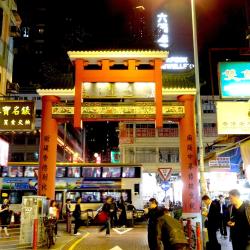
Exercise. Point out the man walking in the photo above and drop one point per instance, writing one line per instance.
(212, 221)
(223, 216)
(239, 221)
(154, 213)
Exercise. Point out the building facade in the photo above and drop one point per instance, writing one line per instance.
(10, 22)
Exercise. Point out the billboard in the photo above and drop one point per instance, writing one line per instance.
(233, 117)
(4, 152)
(234, 78)
(17, 115)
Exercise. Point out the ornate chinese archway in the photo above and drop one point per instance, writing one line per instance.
(120, 66)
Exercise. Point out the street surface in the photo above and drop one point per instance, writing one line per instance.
(91, 239)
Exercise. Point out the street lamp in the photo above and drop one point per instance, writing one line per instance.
(198, 100)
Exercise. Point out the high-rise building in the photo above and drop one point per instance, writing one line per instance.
(10, 22)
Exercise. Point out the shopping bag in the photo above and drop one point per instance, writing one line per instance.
(101, 217)
(12, 219)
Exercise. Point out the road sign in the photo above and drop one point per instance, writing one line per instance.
(165, 185)
(165, 173)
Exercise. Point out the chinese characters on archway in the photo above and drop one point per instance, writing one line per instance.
(192, 174)
(17, 115)
(44, 166)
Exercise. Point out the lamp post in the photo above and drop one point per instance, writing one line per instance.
(198, 100)
(203, 188)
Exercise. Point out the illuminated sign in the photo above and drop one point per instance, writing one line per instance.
(17, 115)
(234, 79)
(233, 117)
(177, 63)
(162, 25)
(115, 156)
(120, 111)
(4, 152)
(119, 90)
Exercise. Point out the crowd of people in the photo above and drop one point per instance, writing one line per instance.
(227, 212)
(228, 215)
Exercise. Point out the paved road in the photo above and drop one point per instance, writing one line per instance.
(121, 239)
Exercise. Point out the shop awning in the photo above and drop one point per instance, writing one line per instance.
(233, 151)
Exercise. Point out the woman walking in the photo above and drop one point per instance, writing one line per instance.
(53, 213)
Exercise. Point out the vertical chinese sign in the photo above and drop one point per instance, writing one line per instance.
(17, 115)
(188, 158)
(48, 149)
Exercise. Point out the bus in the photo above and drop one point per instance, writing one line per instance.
(90, 181)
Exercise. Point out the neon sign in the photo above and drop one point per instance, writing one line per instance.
(234, 79)
(177, 63)
(17, 115)
(162, 25)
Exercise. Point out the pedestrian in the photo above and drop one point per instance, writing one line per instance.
(223, 216)
(122, 221)
(212, 222)
(113, 213)
(105, 212)
(239, 221)
(68, 214)
(170, 233)
(154, 213)
(53, 214)
(5, 217)
(77, 216)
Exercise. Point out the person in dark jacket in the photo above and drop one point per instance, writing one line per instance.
(212, 222)
(4, 217)
(223, 216)
(170, 233)
(239, 221)
(154, 213)
(77, 216)
(113, 213)
(107, 209)
(123, 215)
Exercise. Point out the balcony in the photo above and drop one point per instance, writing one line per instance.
(145, 132)
(168, 132)
(210, 132)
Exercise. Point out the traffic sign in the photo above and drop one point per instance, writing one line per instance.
(165, 173)
(165, 185)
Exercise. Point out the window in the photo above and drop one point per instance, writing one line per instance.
(145, 155)
(33, 156)
(208, 106)
(19, 139)
(17, 157)
(169, 155)
(31, 140)
(210, 129)
(38, 113)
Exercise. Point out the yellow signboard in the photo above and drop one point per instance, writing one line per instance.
(233, 117)
(120, 111)
(17, 115)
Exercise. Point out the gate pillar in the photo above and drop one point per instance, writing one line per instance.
(188, 157)
(48, 149)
